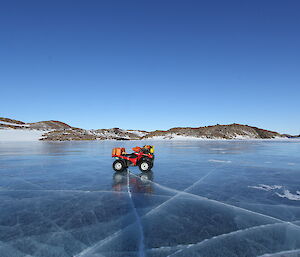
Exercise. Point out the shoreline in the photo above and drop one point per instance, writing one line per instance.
(16, 135)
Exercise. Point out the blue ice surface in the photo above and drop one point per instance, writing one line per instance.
(202, 198)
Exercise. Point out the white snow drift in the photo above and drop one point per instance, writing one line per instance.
(20, 135)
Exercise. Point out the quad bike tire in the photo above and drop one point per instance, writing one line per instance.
(145, 166)
(119, 166)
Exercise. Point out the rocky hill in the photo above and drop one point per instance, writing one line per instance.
(59, 131)
(41, 125)
(99, 134)
(11, 121)
(50, 124)
(232, 131)
(289, 136)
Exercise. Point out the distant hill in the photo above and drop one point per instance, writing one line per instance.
(289, 136)
(59, 131)
(50, 124)
(232, 131)
(7, 120)
(41, 125)
(99, 134)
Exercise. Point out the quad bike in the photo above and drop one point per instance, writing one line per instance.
(142, 157)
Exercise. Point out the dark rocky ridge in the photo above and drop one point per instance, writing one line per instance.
(12, 121)
(82, 134)
(289, 136)
(51, 124)
(59, 131)
(232, 131)
(69, 135)
(41, 125)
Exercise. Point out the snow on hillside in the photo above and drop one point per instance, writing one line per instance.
(174, 137)
(13, 124)
(187, 138)
(7, 135)
(138, 132)
(111, 133)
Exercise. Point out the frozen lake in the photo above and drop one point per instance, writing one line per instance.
(202, 198)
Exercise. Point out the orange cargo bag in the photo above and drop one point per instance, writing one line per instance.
(136, 149)
(118, 151)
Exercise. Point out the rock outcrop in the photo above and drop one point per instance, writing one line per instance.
(99, 134)
(41, 125)
(232, 131)
(48, 125)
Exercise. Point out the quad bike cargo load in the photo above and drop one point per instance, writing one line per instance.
(118, 151)
(145, 149)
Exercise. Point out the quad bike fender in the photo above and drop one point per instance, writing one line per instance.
(144, 159)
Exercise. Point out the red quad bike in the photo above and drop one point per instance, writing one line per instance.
(142, 157)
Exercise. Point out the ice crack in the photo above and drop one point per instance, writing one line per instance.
(138, 219)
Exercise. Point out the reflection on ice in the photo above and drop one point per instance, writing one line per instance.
(138, 183)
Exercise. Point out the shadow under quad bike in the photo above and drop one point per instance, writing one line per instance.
(142, 157)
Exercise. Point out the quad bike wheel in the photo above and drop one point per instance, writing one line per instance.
(119, 166)
(145, 166)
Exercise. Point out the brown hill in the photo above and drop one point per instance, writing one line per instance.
(41, 125)
(7, 120)
(59, 131)
(232, 131)
(50, 124)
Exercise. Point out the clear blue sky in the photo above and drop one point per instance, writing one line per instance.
(151, 64)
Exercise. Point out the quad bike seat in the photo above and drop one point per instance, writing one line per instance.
(130, 155)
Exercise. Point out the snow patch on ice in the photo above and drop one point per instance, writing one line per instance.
(266, 187)
(222, 161)
(287, 194)
(20, 135)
